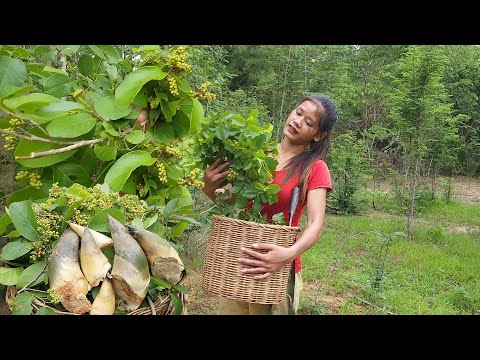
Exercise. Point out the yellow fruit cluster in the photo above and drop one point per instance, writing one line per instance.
(153, 101)
(10, 139)
(191, 179)
(203, 92)
(33, 178)
(178, 61)
(172, 85)
(135, 208)
(80, 218)
(142, 190)
(232, 175)
(77, 93)
(162, 172)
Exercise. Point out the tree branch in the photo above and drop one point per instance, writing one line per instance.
(37, 155)
(36, 138)
(27, 119)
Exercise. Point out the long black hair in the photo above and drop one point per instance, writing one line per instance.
(317, 150)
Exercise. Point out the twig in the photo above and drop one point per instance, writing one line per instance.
(35, 138)
(375, 306)
(37, 155)
(152, 306)
(31, 282)
(27, 119)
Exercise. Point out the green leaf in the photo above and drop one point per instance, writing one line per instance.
(4, 222)
(53, 70)
(58, 107)
(167, 112)
(66, 174)
(181, 124)
(169, 209)
(110, 129)
(120, 171)
(97, 51)
(59, 85)
(99, 222)
(30, 274)
(147, 48)
(25, 147)
(17, 91)
(77, 191)
(177, 303)
(279, 218)
(132, 83)
(107, 152)
(14, 249)
(24, 219)
(135, 137)
(85, 65)
(41, 49)
(33, 99)
(163, 132)
(13, 234)
(108, 109)
(22, 305)
(182, 194)
(12, 74)
(45, 311)
(71, 126)
(159, 282)
(71, 209)
(68, 49)
(29, 193)
(197, 115)
(9, 276)
(179, 229)
(113, 55)
(180, 288)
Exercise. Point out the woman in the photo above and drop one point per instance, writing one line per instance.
(301, 155)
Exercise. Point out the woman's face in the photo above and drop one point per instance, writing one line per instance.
(301, 126)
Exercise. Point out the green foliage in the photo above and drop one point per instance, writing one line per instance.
(349, 173)
(96, 102)
(249, 147)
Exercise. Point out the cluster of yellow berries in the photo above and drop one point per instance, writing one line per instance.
(153, 101)
(10, 139)
(172, 85)
(142, 190)
(33, 178)
(133, 206)
(99, 200)
(178, 61)
(72, 68)
(80, 218)
(47, 225)
(191, 179)
(162, 172)
(203, 92)
(151, 57)
(169, 151)
(77, 93)
(232, 175)
(54, 298)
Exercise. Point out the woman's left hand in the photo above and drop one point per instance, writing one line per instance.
(265, 264)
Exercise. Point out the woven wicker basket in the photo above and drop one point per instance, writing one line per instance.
(222, 272)
(162, 306)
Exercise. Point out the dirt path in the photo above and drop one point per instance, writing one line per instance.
(466, 189)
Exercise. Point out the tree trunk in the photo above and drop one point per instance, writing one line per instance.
(411, 206)
(280, 115)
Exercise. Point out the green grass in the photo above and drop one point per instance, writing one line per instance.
(436, 273)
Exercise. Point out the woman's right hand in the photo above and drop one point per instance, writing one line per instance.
(213, 177)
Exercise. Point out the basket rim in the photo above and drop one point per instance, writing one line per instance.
(253, 223)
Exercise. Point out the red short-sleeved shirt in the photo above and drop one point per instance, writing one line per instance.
(319, 178)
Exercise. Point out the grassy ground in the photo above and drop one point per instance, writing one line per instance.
(363, 264)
